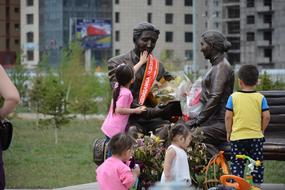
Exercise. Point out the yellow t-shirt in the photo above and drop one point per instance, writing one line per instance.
(247, 108)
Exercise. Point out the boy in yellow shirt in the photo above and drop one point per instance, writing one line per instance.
(247, 116)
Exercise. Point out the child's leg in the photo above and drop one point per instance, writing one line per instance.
(256, 153)
(237, 165)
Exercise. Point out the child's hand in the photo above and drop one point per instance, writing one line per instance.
(137, 170)
(143, 57)
(140, 109)
(228, 137)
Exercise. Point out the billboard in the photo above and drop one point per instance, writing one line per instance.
(94, 34)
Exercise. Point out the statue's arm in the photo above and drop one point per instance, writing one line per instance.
(219, 81)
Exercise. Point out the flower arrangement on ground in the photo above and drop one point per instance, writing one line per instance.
(149, 154)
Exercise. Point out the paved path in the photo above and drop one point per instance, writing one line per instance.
(94, 186)
(41, 116)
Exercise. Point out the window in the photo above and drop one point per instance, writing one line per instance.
(168, 36)
(117, 2)
(30, 19)
(117, 17)
(188, 2)
(188, 37)
(149, 17)
(30, 37)
(234, 58)
(168, 18)
(189, 54)
(30, 55)
(267, 2)
(216, 2)
(217, 24)
(82, 3)
(233, 12)
(250, 3)
(267, 19)
(267, 53)
(30, 3)
(117, 35)
(188, 19)
(250, 36)
(233, 27)
(168, 2)
(117, 52)
(17, 27)
(267, 35)
(235, 41)
(250, 19)
(7, 27)
(17, 42)
(217, 14)
(8, 44)
(149, 2)
(16, 10)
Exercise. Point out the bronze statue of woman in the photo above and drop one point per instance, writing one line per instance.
(217, 86)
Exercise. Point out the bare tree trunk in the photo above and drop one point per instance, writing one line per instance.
(55, 135)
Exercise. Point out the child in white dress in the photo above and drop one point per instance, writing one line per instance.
(176, 166)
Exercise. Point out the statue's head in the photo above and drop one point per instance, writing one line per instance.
(145, 36)
(213, 42)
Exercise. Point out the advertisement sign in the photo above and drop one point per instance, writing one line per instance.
(94, 34)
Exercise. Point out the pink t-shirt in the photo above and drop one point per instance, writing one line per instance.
(116, 123)
(113, 174)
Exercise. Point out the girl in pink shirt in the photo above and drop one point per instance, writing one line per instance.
(117, 118)
(114, 174)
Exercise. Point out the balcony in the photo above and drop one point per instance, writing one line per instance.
(263, 60)
(263, 43)
(262, 26)
(230, 2)
(263, 9)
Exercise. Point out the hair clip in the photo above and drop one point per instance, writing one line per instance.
(116, 85)
(122, 64)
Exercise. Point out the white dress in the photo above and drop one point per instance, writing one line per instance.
(179, 168)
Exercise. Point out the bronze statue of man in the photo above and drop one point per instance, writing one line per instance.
(145, 36)
(217, 86)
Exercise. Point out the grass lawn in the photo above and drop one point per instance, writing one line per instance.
(34, 161)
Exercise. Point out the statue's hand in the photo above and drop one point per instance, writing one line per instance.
(168, 77)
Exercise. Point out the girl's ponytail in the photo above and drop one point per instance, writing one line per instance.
(116, 94)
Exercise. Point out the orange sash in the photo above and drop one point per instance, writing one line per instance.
(150, 74)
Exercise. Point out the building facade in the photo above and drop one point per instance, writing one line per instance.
(53, 28)
(173, 18)
(262, 33)
(9, 31)
(254, 27)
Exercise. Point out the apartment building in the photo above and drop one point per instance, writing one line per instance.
(9, 31)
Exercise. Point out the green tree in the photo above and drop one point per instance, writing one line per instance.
(48, 97)
(265, 82)
(19, 76)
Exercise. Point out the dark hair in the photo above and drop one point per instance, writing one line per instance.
(120, 142)
(124, 74)
(179, 129)
(216, 40)
(144, 26)
(248, 74)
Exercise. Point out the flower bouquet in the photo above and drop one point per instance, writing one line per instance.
(197, 157)
(149, 154)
